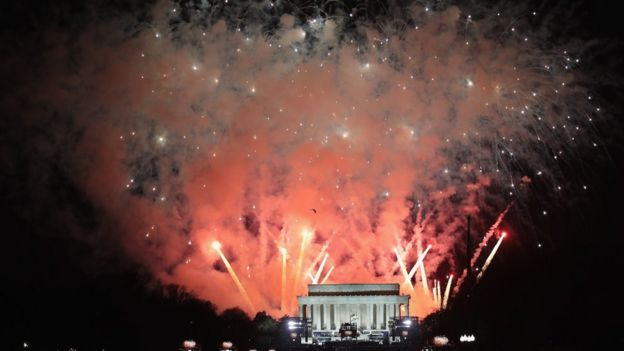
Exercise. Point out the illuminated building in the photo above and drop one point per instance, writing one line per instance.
(371, 308)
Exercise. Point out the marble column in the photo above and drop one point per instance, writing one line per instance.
(382, 316)
(317, 317)
(326, 317)
(369, 315)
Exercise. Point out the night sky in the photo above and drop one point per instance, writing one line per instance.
(152, 150)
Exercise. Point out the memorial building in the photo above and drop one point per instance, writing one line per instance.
(367, 307)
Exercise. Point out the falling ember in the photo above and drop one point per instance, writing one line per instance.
(491, 256)
(327, 275)
(217, 247)
(447, 292)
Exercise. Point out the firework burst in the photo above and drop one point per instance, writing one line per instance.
(237, 121)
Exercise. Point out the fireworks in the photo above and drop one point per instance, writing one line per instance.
(491, 256)
(408, 280)
(217, 247)
(447, 292)
(419, 262)
(284, 254)
(439, 294)
(327, 274)
(320, 270)
(305, 237)
(245, 121)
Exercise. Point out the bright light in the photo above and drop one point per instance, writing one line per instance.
(467, 338)
(306, 233)
(447, 292)
(217, 246)
(440, 340)
(491, 256)
(189, 344)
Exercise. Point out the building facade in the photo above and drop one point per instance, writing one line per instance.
(369, 306)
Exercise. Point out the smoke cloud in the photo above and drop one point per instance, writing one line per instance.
(192, 124)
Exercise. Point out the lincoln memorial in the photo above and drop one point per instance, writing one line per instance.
(369, 306)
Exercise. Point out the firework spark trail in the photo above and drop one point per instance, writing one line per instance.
(284, 255)
(209, 125)
(305, 236)
(317, 258)
(419, 262)
(317, 276)
(408, 279)
(488, 235)
(217, 247)
(491, 256)
(419, 228)
(433, 292)
(439, 293)
(447, 292)
(329, 271)
(423, 279)
(480, 247)
(416, 239)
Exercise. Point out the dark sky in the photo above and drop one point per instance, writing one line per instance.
(59, 290)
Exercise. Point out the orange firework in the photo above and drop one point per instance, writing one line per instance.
(327, 274)
(491, 256)
(447, 292)
(408, 279)
(217, 247)
(283, 287)
(306, 234)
